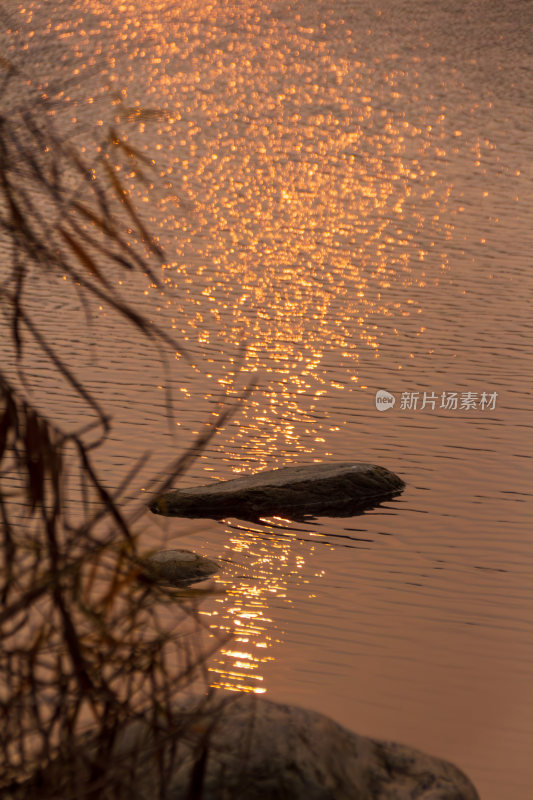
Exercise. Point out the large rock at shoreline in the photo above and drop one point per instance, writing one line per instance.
(335, 489)
(260, 750)
(246, 748)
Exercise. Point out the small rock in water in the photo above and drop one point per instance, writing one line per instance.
(179, 567)
(334, 489)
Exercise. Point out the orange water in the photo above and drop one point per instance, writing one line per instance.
(345, 191)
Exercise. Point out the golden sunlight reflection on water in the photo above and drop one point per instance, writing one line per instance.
(272, 564)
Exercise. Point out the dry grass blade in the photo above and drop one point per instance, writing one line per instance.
(184, 461)
(101, 222)
(84, 257)
(123, 196)
(9, 419)
(34, 443)
(144, 114)
(61, 366)
(7, 65)
(128, 149)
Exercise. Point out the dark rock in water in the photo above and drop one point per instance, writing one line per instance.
(240, 747)
(261, 749)
(178, 567)
(337, 489)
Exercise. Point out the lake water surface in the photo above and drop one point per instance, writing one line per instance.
(344, 190)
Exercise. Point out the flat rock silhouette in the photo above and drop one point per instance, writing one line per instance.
(333, 489)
